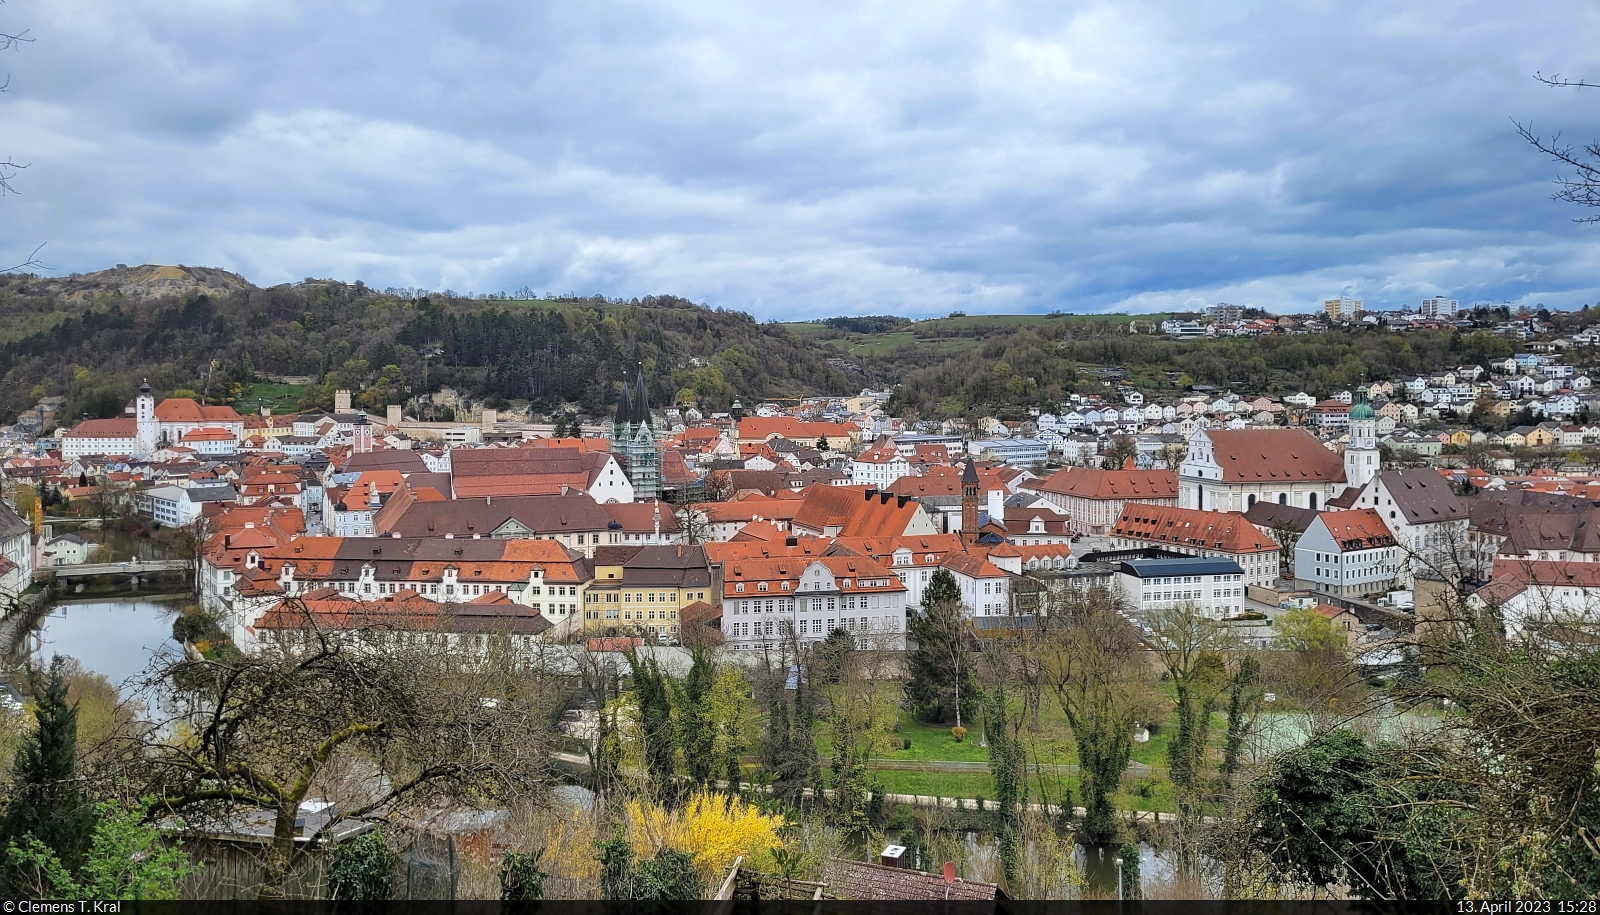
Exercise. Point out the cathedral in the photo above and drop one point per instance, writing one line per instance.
(633, 441)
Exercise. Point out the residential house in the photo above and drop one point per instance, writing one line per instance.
(1347, 553)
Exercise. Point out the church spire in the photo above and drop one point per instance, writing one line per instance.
(624, 405)
(641, 403)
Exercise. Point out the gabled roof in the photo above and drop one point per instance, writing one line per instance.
(1273, 455)
(184, 410)
(860, 880)
(1423, 496)
(105, 428)
(1230, 532)
(519, 471)
(543, 514)
(1362, 529)
(1086, 483)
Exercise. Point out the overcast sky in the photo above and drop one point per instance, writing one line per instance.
(812, 159)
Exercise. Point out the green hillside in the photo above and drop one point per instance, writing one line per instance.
(192, 330)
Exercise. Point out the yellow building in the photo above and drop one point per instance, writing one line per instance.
(643, 590)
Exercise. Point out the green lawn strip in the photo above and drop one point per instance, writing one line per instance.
(272, 394)
(941, 784)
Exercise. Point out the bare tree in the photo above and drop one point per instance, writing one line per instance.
(1581, 183)
(694, 525)
(401, 722)
(9, 167)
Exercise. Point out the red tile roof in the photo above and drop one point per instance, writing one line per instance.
(1269, 455)
(1227, 531)
(1362, 529)
(1086, 483)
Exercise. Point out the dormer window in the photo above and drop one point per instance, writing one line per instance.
(739, 587)
(762, 586)
(785, 586)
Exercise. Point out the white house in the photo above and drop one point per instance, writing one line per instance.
(1428, 521)
(877, 467)
(16, 547)
(1215, 586)
(1347, 553)
(764, 601)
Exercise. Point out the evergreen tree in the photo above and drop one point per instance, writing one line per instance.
(655, 721)
(363, 869)
(942, 686)
(1006, 769)
(48, 801)
(697, 732)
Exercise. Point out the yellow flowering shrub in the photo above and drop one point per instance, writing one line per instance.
(713, 828)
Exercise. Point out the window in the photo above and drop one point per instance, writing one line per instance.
(762, 586)
(739, 587)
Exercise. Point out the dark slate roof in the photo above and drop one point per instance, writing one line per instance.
(11, 525)
(1270, 515)
(1156, 568)
(1423, 496)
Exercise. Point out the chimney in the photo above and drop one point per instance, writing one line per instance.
(893, 856)
(341, 401)
(394, 417)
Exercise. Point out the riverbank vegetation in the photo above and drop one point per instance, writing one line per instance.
(1278, 772)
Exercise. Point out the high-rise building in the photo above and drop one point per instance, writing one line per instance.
(633, 441)
(1440, 307)
(1343, 308)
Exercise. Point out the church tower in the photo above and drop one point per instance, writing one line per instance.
(363, 434)
(969, 502)
(633, 441)
(1361, 461)
(144, 417)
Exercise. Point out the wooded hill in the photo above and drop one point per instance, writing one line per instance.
(93, 338)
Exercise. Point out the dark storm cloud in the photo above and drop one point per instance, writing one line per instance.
(816, 158)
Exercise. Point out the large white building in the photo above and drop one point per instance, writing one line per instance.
(1212, 535)
(1439, 307)
(1233, 469)
(764, 601)
(1428, 521)
(16, 551)
(877, 467)
(207, 429)
(1214, 586)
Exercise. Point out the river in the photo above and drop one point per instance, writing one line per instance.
(115, 637)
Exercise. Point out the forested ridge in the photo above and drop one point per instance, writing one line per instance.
(1006, 372)
(95, 347)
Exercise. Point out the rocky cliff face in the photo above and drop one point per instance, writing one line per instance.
(149, 281)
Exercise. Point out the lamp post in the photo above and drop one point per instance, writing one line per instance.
(1119, 878)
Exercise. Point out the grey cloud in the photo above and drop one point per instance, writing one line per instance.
(811, 159)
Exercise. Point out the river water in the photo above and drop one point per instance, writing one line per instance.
(116, 637)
